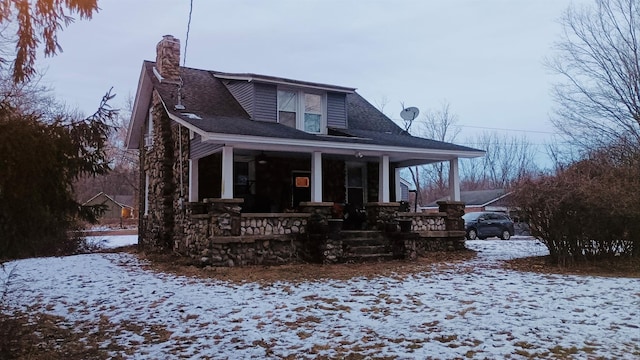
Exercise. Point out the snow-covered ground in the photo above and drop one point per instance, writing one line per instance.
(110, 242)
(473, 310)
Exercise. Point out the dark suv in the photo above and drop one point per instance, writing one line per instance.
(484, 224)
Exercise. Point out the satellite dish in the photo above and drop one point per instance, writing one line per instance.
(409, 114)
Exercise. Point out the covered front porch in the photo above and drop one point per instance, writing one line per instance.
(279, 180)
(272, 206)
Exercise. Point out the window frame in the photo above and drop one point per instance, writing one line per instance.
(300, 108)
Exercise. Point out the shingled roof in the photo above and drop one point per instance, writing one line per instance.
(211, 108)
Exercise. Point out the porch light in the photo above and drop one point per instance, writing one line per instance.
(359, 155)
(261, 159)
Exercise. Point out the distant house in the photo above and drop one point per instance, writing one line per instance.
(118, 206)
(404, 190)
(478, 200)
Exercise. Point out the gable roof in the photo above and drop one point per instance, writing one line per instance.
(476, 197)
(122, 200)
(216, 115)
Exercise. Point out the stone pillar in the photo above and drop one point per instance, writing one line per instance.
(320, 214)
(225, 216)
(382, 215)
(327, 245)
(454, 211)
(168, 58)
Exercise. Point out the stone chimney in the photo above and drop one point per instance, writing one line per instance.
(168, 58)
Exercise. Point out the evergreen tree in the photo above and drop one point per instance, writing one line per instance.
(39, 163)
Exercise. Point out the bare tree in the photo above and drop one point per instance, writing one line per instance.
(507, 159)
(598, 101)
(438, 125)
(382, 104)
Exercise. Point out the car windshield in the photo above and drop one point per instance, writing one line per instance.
(471, 216)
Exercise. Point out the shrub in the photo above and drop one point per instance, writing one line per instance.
(587, 211)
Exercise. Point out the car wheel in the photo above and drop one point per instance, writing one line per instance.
(505, 235)
(471, 234)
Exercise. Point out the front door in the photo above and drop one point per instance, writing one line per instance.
(355, 185)
(301, 187)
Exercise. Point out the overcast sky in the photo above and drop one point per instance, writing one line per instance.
(484, 57)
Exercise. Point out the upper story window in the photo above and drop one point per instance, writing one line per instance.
(302, 110)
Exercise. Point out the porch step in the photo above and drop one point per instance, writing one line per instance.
(365, 246)
(359, 258)
(367, 249)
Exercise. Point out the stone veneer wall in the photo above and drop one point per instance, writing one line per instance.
(157, 161)
(425, 221)
(217, 234)
(382, 215)
(273, 224)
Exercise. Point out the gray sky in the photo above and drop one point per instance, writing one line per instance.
(484, 57)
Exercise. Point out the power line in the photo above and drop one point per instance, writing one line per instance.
(186, 41)
(504, 129)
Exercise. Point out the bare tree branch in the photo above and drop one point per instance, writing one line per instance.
(598, 58)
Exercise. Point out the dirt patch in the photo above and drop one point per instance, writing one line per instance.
(41, 336)
(308, 272)
(629, 268)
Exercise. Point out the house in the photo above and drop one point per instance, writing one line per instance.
(243, 168)
(404, 190)
(117, 207)
(478, 200)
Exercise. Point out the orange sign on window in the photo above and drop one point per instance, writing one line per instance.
(302, 181)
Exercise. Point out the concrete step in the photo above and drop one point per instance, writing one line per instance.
(360, 234)
(356, 258)
(366, 249)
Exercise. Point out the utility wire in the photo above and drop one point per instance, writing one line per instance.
(186, 41)
(504, 129)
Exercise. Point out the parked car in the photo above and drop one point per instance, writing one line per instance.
(484, 224)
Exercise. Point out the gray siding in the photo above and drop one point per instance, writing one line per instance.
(243, 92)
(265, 107)
(336, 110)
(198, 149)
(404, 192)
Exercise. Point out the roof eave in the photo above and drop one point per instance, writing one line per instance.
(286, 82)
(336, 147)
(140, 108)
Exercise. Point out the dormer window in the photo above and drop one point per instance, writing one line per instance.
(302, 110)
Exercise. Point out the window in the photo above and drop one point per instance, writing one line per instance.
(300, 110)
(287, 108)
(148, 138)
(312, 113)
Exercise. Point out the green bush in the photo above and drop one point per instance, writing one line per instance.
(587, 211)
